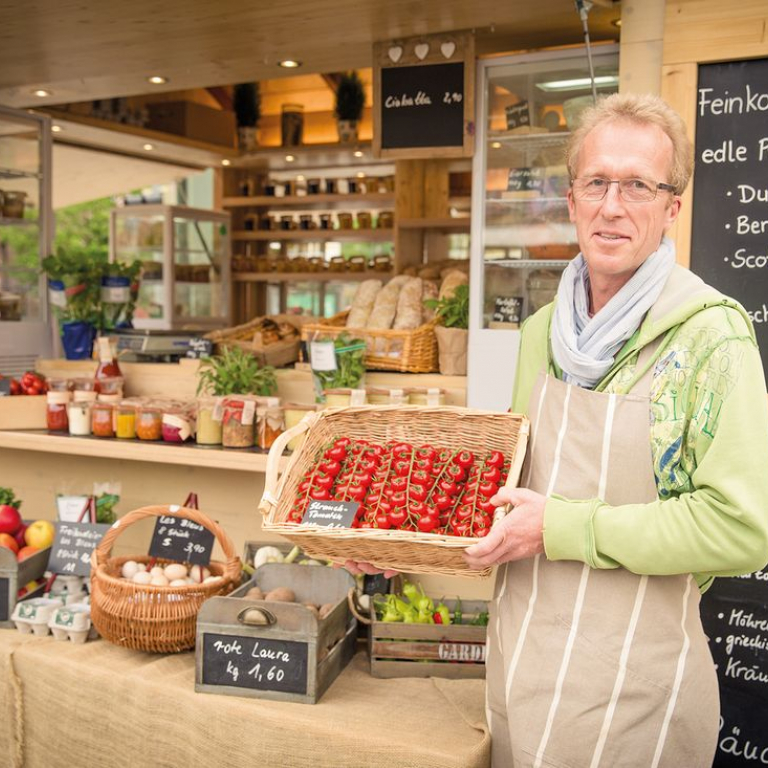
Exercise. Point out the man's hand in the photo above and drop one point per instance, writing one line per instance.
(356, 568)
(518, 536)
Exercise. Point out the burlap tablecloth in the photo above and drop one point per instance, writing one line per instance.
(100, 706)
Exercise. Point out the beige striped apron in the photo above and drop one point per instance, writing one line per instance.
(591, 667)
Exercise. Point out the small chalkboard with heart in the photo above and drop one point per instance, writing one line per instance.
(330, 514)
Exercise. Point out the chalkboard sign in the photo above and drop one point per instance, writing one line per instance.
(72, 547)
(507, 309)
(255, 662)
(729, 247)
(517, 115)
(5, 599)
(176, 538)
(422, 106)
(331, 514)
(734, 613)
(199, 348)
(5, 387)
(525, 180)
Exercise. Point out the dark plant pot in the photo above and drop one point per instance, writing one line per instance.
(77, 340)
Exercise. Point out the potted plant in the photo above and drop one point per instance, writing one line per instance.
(350, 100)
(247, 106)
(235, 372)
(452, 312)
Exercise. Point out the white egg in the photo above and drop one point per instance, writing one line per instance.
(179, 583)
(159, 581)
(130, 569)
(199, 573)
(175, 571)
(157, 571)
(188, 580)
(142, 577)
(142, 566)
(211, 578)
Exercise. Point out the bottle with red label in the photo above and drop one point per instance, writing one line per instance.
(108, 367)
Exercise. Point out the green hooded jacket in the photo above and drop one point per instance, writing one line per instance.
(709, 443)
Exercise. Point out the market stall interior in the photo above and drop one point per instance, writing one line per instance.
(275, 303)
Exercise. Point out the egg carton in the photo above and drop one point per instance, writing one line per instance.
(73, 622)
(32, 616)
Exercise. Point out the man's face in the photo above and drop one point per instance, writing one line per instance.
(615, 236)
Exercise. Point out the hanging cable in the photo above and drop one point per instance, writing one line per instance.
(583, 7)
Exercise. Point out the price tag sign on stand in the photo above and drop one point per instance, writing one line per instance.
(72, 547)
(507, 309)
(255, 662)
(199, 348)
(182, 540)
(518, 115)
(330, 514)
(5, 585)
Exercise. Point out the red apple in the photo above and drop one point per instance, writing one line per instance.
(10, 519)
(26, 552)
(7, 541)
(19, 535)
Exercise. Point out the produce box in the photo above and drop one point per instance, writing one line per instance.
(429, 650)
(16, 575)
(277, 650)
(195, 121)
(23, 412)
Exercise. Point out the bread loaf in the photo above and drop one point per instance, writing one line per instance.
(385, 307)
(451, 282)
(362, 304)
(429, 290)
(408, 314)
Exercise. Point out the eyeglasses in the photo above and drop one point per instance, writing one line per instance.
(630, 190)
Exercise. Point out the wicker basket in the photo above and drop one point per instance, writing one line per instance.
(152, 618)
(386, 350)
(409, 551)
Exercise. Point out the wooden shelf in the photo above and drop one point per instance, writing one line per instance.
(316, 235)
(189, 455)
(373, 199)
(310, 156)
(448, 224)
(291, 277)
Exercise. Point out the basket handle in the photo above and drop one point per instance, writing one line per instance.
(269, 498)
(103, 551)
(354, 606)
(513, 478)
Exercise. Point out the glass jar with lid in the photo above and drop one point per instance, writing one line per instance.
(79, 417)
(384, 396)
(83, 390)
(149, 421)
(178, 424)
(431, 396)
(270, 421)
(110, 385)
(343, 396)
(209, 416)
(125, 420)
(56, 410)
(102, 420)
(57, 384)
(293, 414)
(238, 417)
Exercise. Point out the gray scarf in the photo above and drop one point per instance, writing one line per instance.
(585, 347)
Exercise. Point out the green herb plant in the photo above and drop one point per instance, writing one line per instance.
(350, 364)
(350, 97)
(8, 497)
(452, 311)
(114, 314)
(247, 104)
(235, 372)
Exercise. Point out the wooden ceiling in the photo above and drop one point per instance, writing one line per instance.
(90, 49)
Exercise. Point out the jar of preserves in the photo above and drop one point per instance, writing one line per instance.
(293, 414)
(56, 411)
(364, 219)
(344, 219)
(178, 424)
(83, 390)
(383, 396)
(269, 421)
(431, 396)
(149, 421)
(125, 420)
(110, 385)
(58, 385)
(13, 204)
(102, 420)
(209, 415)
(344, 396)
(108, 366)
(238, 429)
(386, 220)
(79, 416)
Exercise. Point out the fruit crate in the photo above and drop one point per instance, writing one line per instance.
(428, 650)
(16, 575)
(275, 650)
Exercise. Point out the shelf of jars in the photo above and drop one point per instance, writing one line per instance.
(444, 224)
(326, 276)
(320, 200)
(315, 235)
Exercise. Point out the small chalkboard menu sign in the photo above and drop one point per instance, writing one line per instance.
(255, 662)
(423, 97)
(507, 309)
(330, 514)
(517, 115)
(729, 245)
(734, 612)
(182, 540)
(72, 547)
(5, 600)
(199, 347)
(525, 180)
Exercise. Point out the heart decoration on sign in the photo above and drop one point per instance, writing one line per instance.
(394, 53)
(448, 49)
(421, 51)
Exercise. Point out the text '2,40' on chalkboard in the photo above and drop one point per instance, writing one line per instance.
(176, 538)
(729, 246)
(422, 106)
(258, 663)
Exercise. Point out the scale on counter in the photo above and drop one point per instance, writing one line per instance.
(160, 346)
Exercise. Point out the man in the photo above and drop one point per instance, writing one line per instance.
(645, 476)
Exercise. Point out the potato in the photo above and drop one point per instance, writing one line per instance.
(281, 595)
(255, 593)
(326, 609)
(312, 607)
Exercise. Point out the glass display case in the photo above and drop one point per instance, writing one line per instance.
(522, 237)
(25, 237)
(185, 258)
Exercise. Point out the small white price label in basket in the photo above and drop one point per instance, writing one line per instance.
(322, 355)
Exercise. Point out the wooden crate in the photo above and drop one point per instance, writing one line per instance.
(23, 412)
(14, 575)
(271, 650)
(429, 650)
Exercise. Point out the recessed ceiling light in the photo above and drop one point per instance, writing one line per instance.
(496, 145)
(360, 175)
(358, 153)
(579, 83)
(225, 162)
(157, 80)
(289, 158)
(300, 177)
(42, 93)
(289, 63)
(149, 147)
(616, 22)
(56, 128)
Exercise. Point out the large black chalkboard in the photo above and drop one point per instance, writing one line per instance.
(422, 106)
(176, 538)
(5, 599)
(255, 662)
(729, 247)
(735, 617)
